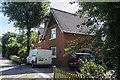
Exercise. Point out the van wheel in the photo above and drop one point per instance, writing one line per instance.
(27, 63)
(33, 64)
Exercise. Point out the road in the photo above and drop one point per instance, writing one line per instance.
(11, 70)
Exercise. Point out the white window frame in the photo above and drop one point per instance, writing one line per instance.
(39, 39)
(52, 33)
(55, 52)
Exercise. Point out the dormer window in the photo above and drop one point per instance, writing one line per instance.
(53, 33)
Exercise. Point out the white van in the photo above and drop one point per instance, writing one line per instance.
(40, 57)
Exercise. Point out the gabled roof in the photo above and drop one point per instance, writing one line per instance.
(68, 22)
(40, 31)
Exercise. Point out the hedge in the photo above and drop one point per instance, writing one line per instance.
(15, 58)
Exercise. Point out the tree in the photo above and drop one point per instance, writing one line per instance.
(0, 45)
(108, 15)
(22, 40)
(26, 15)
(89, 68)
(8, 41)
(15, 44)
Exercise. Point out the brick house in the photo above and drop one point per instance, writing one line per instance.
(39, 43)
(62, 27)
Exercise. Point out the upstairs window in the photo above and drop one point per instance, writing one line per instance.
(53, 33)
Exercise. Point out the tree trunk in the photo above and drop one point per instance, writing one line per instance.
(28, 41)
(28, 44)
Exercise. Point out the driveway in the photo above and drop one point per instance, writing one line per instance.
(11, 70)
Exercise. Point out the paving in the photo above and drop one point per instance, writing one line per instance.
(10, 70)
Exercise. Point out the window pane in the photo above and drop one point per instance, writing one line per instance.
(53, 33)
(53, 51)
(39, 38)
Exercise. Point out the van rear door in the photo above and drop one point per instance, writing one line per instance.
(44, 56)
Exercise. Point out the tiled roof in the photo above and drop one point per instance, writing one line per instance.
(68, 22)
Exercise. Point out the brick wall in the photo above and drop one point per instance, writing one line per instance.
(70, 37)
(59, 42)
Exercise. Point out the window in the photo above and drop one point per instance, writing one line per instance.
(53, 33)
(39, 47)
(39, 39)
(53, 52)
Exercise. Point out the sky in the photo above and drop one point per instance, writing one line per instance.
(61, 5)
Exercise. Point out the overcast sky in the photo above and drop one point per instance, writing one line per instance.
(61, 5)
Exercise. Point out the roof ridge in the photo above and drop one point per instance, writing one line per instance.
(62, 11)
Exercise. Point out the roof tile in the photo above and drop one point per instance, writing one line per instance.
(68, 22)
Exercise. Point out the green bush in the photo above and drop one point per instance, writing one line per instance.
(15, 58)
(91, 69)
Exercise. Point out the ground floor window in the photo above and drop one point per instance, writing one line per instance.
(53, 52)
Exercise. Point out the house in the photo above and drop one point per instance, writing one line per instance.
(62, 27)
(39, 42)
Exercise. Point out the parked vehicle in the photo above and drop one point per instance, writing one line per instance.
(40, 57)
(74, 62)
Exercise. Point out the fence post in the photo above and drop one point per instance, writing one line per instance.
(54, 67)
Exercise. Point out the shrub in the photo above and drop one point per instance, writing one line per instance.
(91, 69)
(15, 59)
(22, 52)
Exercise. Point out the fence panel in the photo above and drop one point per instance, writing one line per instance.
(63, 75)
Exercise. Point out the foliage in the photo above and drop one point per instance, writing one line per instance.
(23, 41)
(26, 15)
(12, 48)
(15, 58)
(88, 43)
(22, 52)
(106, 15)
(14, 44)
(94, 46)
(91, 69)
(8, 44)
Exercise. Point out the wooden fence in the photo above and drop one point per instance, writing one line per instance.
(63, 75)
